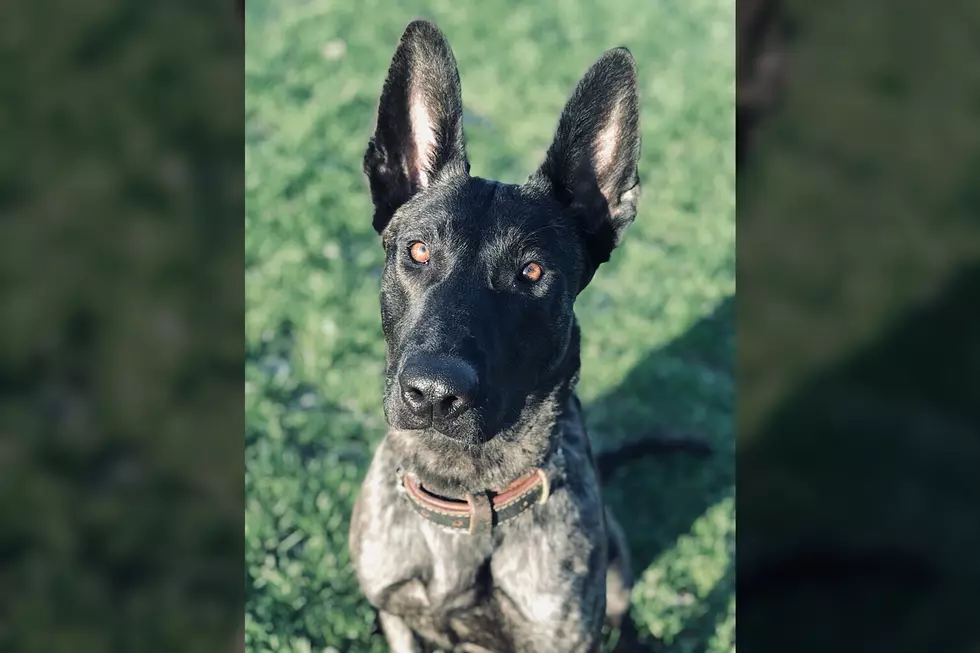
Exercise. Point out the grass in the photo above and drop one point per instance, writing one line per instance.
(657, 321)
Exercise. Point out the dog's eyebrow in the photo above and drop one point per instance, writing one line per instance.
(520, 237)
(530, 239)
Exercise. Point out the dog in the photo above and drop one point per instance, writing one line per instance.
(480, 525)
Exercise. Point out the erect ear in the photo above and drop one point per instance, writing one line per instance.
(591, 165)
(419, 135)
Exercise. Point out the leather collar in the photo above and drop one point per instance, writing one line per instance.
(479, 512)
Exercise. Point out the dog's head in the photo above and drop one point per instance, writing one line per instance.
(480, 276)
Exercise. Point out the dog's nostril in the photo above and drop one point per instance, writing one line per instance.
(417, 401)
(448, 404)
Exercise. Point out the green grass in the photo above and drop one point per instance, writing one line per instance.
(657, 320)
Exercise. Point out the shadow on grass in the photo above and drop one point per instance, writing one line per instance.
(858, 499)
(657, 498)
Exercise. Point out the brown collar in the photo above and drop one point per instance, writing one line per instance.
(480, 512)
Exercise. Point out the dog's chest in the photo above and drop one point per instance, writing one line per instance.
(530, 582)
(453, 598)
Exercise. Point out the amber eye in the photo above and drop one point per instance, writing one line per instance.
(532, 272)
(419, 252)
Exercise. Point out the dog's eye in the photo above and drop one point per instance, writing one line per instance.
(419, 252)
(532, 272)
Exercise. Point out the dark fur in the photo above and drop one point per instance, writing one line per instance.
(510, 348)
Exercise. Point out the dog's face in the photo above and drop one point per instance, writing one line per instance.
(480, 277)
(476, 304)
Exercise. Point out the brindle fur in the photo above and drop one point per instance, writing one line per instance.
(548, 579)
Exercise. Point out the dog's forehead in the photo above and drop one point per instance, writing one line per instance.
(485, 222)
(492, 216)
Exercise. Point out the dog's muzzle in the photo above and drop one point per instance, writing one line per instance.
(437, 389)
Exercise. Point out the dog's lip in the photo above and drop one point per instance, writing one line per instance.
(403, 424)
(433, 431)
(446, 432)
(476, 436)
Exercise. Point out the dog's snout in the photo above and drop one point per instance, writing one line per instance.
(440, 389)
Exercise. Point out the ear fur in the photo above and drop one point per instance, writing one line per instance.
(419, 134)
(591, 166)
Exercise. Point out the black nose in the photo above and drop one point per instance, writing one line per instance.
(440, 388)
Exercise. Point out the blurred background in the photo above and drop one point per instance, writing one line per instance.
(122, 305)
(858, 326)
(658, 320)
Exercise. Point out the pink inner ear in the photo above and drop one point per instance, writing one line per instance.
(423, 136)
(605, 151)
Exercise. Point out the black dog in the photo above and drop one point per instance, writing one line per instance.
(480, 525)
